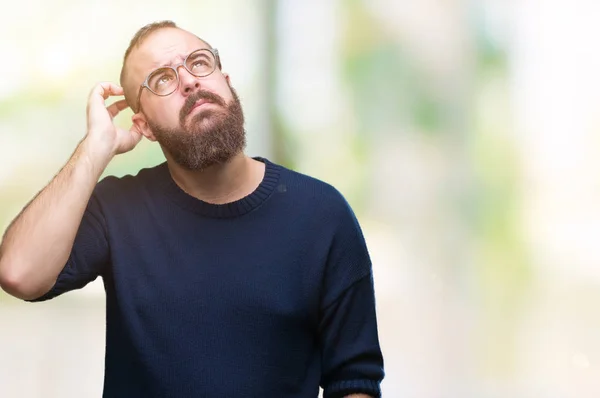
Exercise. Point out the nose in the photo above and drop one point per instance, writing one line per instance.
(188, 83)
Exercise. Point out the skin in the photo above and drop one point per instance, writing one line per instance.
(217, 184)
(38, 242)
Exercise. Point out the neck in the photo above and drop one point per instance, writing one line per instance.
(221, 183)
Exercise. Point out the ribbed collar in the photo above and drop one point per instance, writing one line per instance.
(227, 210)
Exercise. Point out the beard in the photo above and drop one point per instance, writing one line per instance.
(212, 136)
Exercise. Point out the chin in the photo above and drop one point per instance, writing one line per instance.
(204, 118)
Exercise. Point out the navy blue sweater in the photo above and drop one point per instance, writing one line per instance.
(269, 296)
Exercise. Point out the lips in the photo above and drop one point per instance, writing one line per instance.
(199, 103)
(197, 99)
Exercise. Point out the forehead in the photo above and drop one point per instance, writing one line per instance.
(162, 47)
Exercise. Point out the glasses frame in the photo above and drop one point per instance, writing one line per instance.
(175, 68)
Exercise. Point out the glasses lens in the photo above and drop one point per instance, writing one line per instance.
(201, 63)
(163, 81)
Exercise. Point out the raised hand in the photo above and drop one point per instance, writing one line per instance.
(102, 133)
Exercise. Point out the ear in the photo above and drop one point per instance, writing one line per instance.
(227, 78)
(139, 121)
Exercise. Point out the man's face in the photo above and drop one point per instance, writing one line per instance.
(201, 123)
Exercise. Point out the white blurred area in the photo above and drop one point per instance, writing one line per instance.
(503, 306)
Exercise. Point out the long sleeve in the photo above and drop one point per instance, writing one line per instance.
(351, 357)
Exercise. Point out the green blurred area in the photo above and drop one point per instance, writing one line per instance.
(431, 130)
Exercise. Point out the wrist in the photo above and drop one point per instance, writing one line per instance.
(96, 155)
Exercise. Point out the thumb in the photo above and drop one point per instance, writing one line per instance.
(135, 133)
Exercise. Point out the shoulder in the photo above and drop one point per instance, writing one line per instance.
(116, 188)
(323, 197)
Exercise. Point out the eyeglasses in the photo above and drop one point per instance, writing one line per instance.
(164, 81)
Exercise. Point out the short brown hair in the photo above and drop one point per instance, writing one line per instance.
(136, 41)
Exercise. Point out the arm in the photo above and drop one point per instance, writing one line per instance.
(37, 244)
(351, 356)
(352, 363)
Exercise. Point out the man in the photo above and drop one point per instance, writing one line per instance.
(225, 276)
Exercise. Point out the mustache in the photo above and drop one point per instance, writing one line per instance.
(195, 97)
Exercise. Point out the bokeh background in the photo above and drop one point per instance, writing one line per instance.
(464, 133)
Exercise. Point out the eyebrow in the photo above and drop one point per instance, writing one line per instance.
(179, 59)
(170, 63)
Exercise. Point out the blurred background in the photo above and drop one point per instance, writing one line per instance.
(464, 133)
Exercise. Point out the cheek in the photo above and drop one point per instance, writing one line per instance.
(221, 88)
(167, 111)
(225, 92)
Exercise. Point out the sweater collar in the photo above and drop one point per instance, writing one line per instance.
(227, 210)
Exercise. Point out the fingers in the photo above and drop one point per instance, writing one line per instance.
(106, 89)
(117, 107)
(129, 139)
(101, 92)
(137, 136)
(133, 130)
